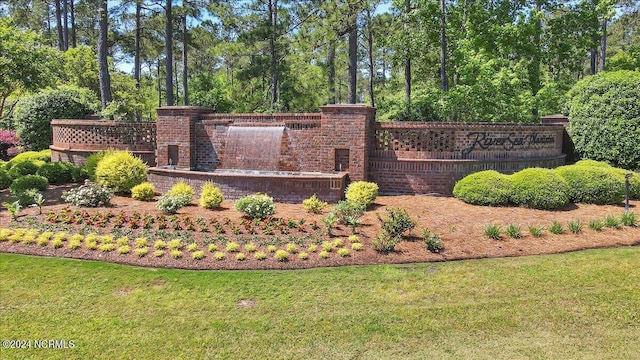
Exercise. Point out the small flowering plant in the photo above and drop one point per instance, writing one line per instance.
(90, 194)
(8, 144)
(256, 206)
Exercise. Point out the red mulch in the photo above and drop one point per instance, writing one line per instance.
(459, 225)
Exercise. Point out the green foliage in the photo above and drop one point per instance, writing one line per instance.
(198, 255)
(27, 167)
(5, 180)
(232, 247)
(634, 182)
(141, 252)
(89, 194)
(536, 230)
(281, 255)
(384, 243)
(347, 211)
(34, 113)
(324, 254)
(493, 231)
(596, 224)
(344, 252)
(259, 255)
(432, 241)
(211, 197)
(575, 226)
(556, 228)
(396, 222)
(539, 189)
(314, 205)
(356, 246)
(513, 231)
(628, 218)
(24, 183)
(612, 221)
(362, 192)
(143, 192)
(92, 161)
(592, 184)
(13, 208)
(256, 206)
(484, 188)
(209, 91)
(57, 172)
(42, 155)
(121, 171)
(605, 117)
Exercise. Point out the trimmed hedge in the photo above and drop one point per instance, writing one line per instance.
(593, 184)
(5, 180)
(484, 188)
(26, 167)
(362, 192)
(44, 155)
(539, 188)
(634, 182)
(57, 172)
(24, 183)
(604, 114)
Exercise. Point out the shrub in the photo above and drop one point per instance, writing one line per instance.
(175, 244)
(182, 188)
(384, 243)
(57, 172)
(539, 189)
(210, 197)
(356, 246)
(347, 212)
(250, 248)
(634, 182)
(34, 113)
(143, 192)
(171, 204)
(575, 226)
(314, 205)
(604, 115)
(232, 246)
(124, 249)
(432, 241)
(629, 219)
(141, 252)
(192, 247)
(291, 248)
(158, 253)
(397, 222)
(159, 245)
(240, 256)
(198, 255)
(107, 247)
(303, 256)
(536, 230)
(24, 183)
(312, 248)
(612, 221)
(259, 255)
(324, 254)
(212, 247)
(121, 171)
(587, 162)
(256, 206)
(218, 255)
(484, 188)
(27, 167)
(344, 252)
(592, 184)
(42, 155)
(92, 161)
(556, 228)
(596, 224)
(5, 180)
(90, 194)
(362, 192)
(176, 254)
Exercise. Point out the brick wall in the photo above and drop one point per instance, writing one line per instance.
(175, 127)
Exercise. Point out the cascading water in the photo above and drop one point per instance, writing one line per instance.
(253, 148)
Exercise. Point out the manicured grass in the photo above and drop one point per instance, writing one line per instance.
(583, 305)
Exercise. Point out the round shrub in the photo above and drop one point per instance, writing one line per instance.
(362, 192)
(634, 182)
(92, 161)
(90, 194)
(594, 163)
(256, 206)
(170, 204)
(539, 189)
(210, 197)
(592, 184)
(143, 192)
(43, 155)
(27, 182)
(34, 113)
(26, 167)
(182, 189)
(604, 113)
(5, 180)
(484, 188)
(121, 171)
(57, 172)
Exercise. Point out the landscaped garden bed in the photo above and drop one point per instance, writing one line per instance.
(293, 238)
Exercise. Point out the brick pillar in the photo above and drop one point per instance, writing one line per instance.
(346, 128)
(175, 134)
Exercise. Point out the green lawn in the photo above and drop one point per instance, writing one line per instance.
(583, 305)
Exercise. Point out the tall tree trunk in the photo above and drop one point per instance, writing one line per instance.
(603, 45)
(58, 15)
(407, 60)
(353, 61)
(593, 68)
(159, 85)
(185, 69)
(73, 23)
(169, 53)
(372, 70)
(136, 44)
(103, 65)
(331, 72)
(273, 20)
(65, 21)
(535, 61)
(443, 47)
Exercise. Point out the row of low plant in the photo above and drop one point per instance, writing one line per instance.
(217, 248)
(586, 181)
(514, 230)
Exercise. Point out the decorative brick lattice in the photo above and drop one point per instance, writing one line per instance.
(87, 135)
(414, 140)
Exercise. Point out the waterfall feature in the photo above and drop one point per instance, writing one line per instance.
(253, 148)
